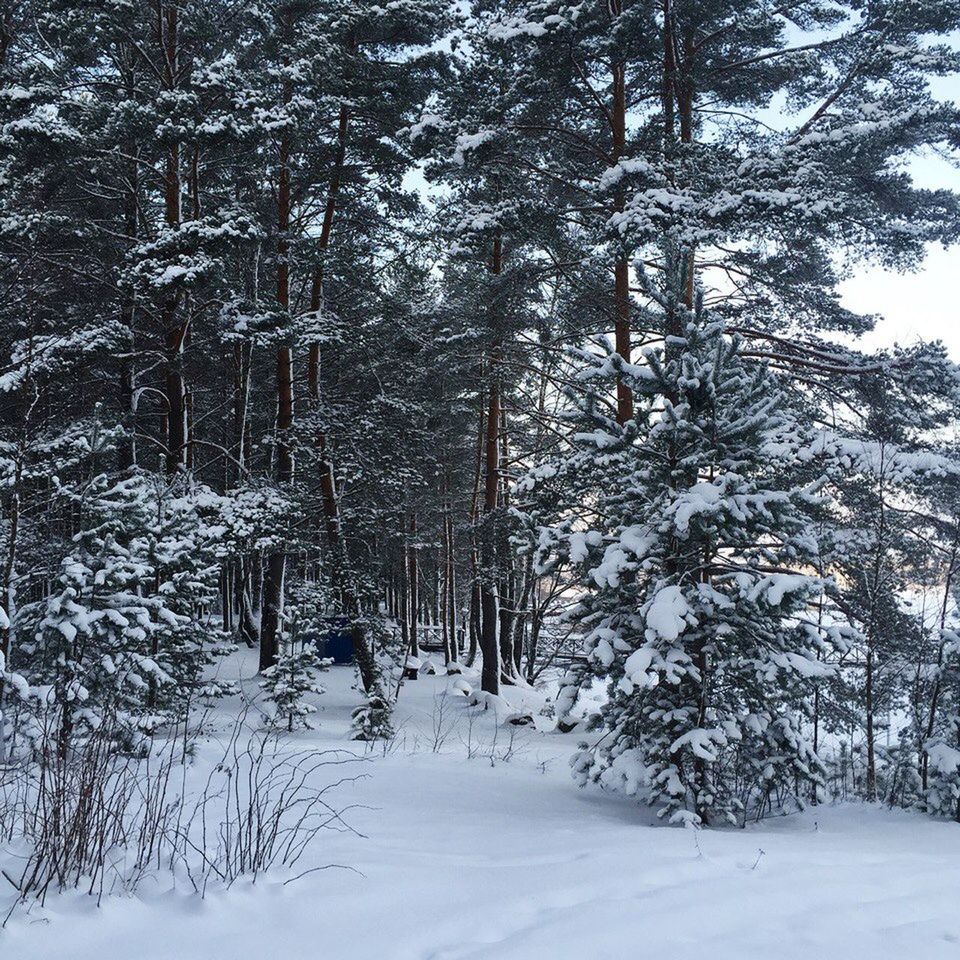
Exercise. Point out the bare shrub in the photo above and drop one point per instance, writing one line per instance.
(95, 818)
(443, 723)
(87, 814)
(259, 809)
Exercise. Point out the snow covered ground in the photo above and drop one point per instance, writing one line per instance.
(500, 856)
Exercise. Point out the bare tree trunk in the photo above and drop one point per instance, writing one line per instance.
(7, 30)
(323, 241)
(328, 490)
(127, 453)
(473, 618)
(226, 598)
(452, 644)
(522, 617)
(174, 326)
(7, 635)
(489, 612)
(871, 631)
(276, 563)
(536, 625)
(941, 649)
(247, 625)
(508, 581)
(621, 268)
(414, 587)
(403, 614)
(871, 736)
(343, 582)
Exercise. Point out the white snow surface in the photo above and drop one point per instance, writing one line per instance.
(667, 613)
(501, 856)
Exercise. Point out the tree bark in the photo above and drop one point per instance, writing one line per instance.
(127, 453)
(489, 612)
(621, 268)
(414, 578)
(871, 785)
(931, 723)
(323, 244)
(452, 646)
(508, 582)
(174, 325)
(284, 467)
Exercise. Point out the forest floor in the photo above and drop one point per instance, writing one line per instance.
(468, 839)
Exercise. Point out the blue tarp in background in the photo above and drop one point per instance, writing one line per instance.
(335, 641)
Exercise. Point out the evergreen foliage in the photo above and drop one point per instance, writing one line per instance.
(510, 330)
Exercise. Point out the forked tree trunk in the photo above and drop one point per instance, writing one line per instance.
(522, 615)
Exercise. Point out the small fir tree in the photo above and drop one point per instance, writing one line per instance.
(289, 682)
(696, 554)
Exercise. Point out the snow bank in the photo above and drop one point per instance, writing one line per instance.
(450, 858)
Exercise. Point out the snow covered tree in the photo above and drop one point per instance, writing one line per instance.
(658, 117)
(941, 766)
(97, 635)
(696, 546)
(122, 630)
(287, 683)
(496, 224)
(295, 290)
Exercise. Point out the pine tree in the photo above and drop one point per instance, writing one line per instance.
(287, 683)
(697, 555)
(97, 636)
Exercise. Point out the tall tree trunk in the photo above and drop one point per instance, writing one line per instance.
(621, 268)
(931, 723)
(226, 598)
(328, 490)
(489, 602)
(871, 785)
(403, 614)
(508, 585)
(127, 452)
(343, 581)
(872, 630)
(276, 563)
(473, 618)
(174, 325)
(474, 612)
(521, 617)
(323, 243)
(414, 579)
(452, 645)
(247, 625)
(536, 625)
(9, 599)
(674, 325)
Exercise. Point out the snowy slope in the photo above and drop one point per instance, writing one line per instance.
(504, 858)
